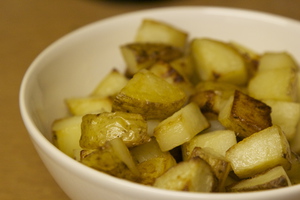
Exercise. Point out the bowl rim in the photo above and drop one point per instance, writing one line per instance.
(39, 139)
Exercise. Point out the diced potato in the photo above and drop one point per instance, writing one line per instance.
(271, 179)
(218, 61)
(194, 175)
(139, 56)
(295, 143)
(154, 167)
(218, 164)
(286, 115)
(87, 105)
(211, 95)
(259, 152)
(150, 96)
(152, 31)
(217, 141)
(180, 127)
(121, 150)
(110, 85)
(66, 134)
(171, 75)
(185, 66)
(96, 129)
(151, 125)
(245, 115)
(275, 60)
(251, 58)
(277, 84)
(106, 160)
(147, 151)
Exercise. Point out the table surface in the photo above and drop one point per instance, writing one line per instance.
(29, 26)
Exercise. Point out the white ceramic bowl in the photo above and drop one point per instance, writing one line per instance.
(73, 65)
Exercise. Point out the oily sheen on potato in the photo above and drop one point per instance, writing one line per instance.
(189, 114)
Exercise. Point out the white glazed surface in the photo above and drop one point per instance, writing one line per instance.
(73, 66)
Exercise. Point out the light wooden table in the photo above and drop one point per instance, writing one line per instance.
(26, 28)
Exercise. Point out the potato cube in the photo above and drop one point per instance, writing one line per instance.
(96, 129)
(259, 152)
(271, 179)
(154, 167)
(217, 141)
(245, 115)
(150, 96)
(194, 175)
(218, 61)
(286, 115)
(106, 160)
(66, 134)
(110, 85)
(219, 165)
(151, 31)
(88, 105)
(275, 60)
(277, 84)
(171, 75)
(180, 127)
(139, 56)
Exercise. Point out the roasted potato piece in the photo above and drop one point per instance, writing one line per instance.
(110, 85)
(150, 96)
(87, 105)
(259, 152)
(106, 160)
(217, 141)
(245, 115)
(194, 175)
(251, 57)
(275, 60)
(155, 167)
(218, 164)
(276, 84)
(180, 127)
(295, 143)
(171, 75)
(218, 61)
(96, 129)
(286, 115)
(66, 134)
(211, 96)
(271, 179)
(152, 31)
(185, 66)
(139, 56)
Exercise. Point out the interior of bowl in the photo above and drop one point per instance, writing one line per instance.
(72, 66)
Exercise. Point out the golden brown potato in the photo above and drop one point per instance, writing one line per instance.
(96, 129)
(88, 105)
(180, 127)
(219, 165)
(245, 115)
(194, 175)
(153, 31)
(211, 95)
(139, 56)
(275, 60)
(150, 96)
(259, 152)
(271, 179)
(171, 75)
(218, 61)
(218, 141)
(110, 85)
(66, 134)
(106, 160)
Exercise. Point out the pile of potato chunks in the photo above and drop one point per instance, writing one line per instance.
(201, 115)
